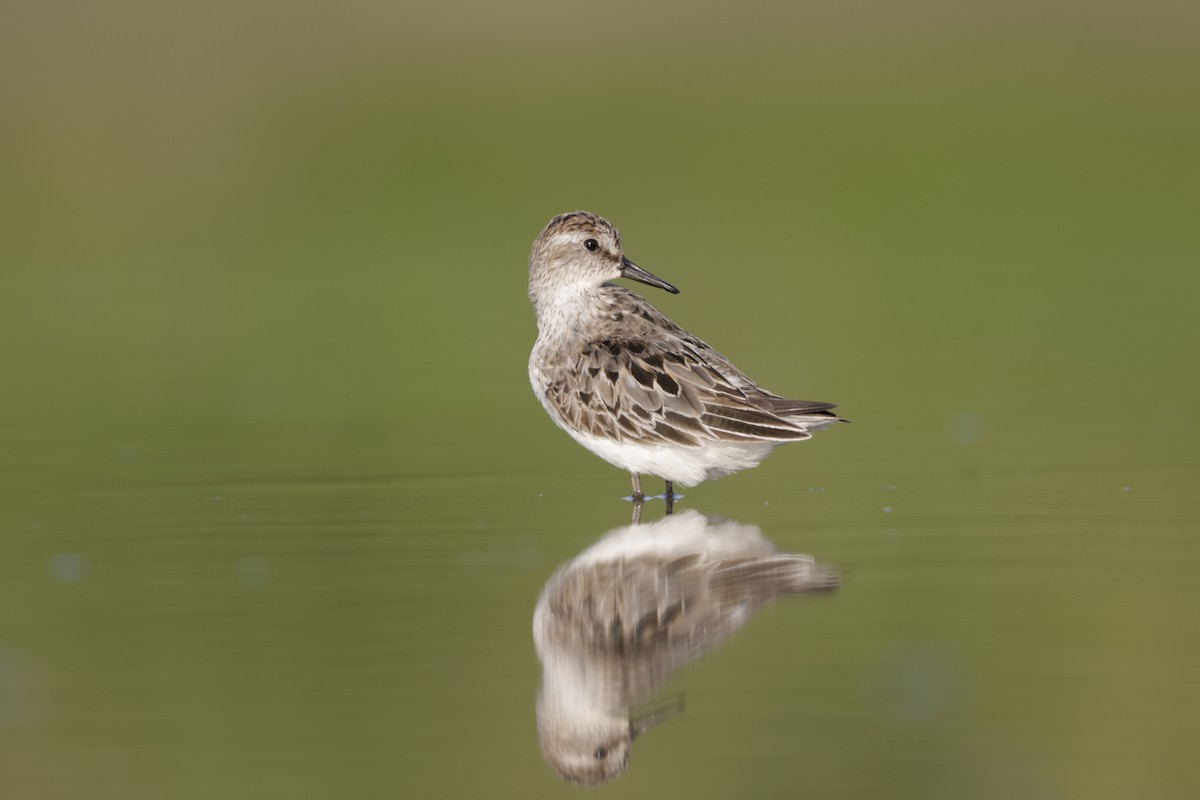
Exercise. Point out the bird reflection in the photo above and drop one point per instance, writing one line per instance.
(615, 623)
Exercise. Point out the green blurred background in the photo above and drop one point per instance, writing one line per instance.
(278, 501)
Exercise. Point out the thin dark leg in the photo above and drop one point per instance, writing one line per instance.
(669, 496)
(637, 487)
(637, 512)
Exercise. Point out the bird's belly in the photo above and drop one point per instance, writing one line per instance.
(678, 463)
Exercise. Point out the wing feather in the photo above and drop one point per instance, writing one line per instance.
(679, 391)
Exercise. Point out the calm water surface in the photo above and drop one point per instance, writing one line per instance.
(1017, 632)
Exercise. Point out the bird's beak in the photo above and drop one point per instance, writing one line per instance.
(655, 715)
(633, 271)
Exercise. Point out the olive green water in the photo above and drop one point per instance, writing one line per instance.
(277, 501)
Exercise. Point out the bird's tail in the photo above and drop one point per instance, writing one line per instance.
(808, 415)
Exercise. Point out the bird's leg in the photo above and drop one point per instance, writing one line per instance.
(637, 488)
(670, 495)
(637, 512)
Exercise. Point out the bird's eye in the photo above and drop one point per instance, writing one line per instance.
(591, 244)
(600, 753)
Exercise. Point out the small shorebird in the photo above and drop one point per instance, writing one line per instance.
(613, 625)
(630, 385)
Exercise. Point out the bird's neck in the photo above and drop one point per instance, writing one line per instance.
(564, 311)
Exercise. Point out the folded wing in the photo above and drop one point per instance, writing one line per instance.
(685, 393)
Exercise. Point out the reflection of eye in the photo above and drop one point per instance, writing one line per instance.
(591, 244)
(600, 751)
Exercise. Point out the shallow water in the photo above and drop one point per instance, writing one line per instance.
(276, 500)
(1008, 632)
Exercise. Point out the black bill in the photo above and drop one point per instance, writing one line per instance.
(633, 271)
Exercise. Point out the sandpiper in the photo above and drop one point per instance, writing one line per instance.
(632, 386)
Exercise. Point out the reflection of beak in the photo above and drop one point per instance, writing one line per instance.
(655, 715)
(633, 271)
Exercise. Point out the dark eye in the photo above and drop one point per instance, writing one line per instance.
(601, 752)
(591, 244)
